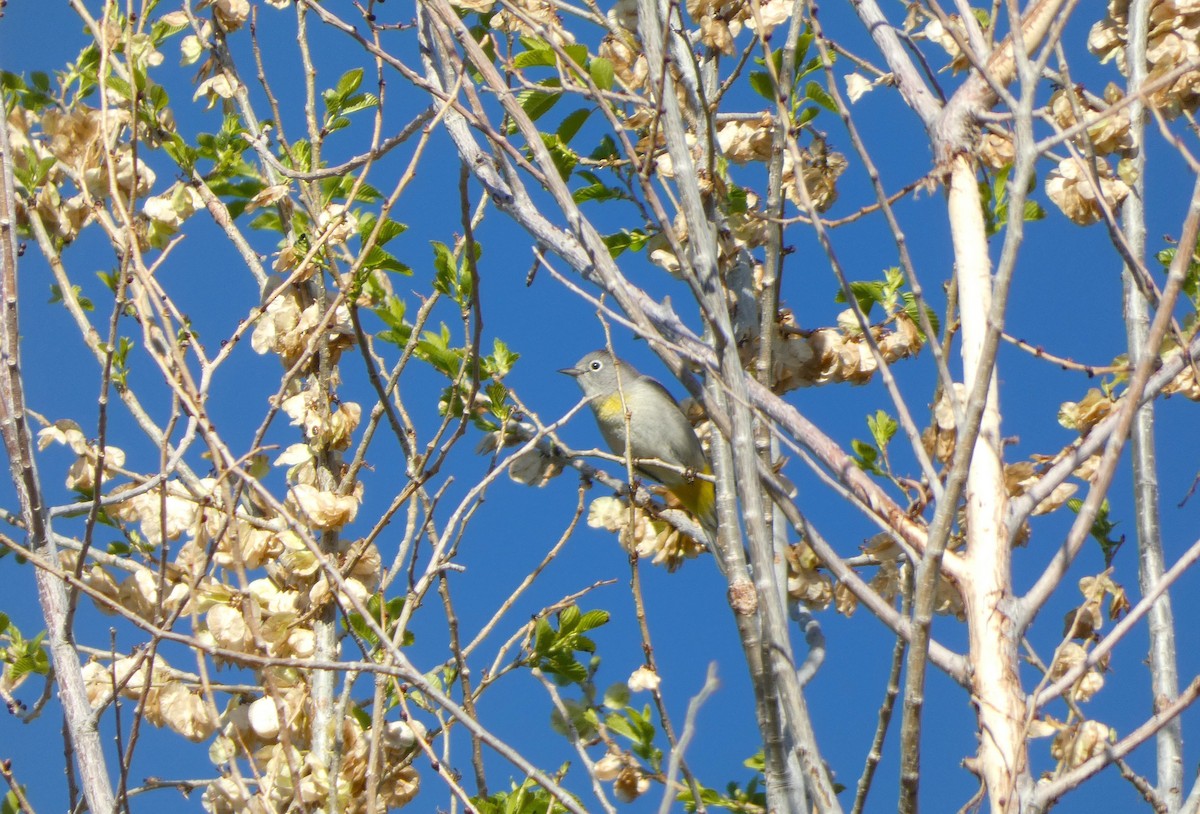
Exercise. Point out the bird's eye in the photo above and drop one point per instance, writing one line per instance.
(596, 364)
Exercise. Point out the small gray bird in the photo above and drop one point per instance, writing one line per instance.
(657, 428)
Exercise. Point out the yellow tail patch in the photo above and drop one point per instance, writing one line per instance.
(699, 498)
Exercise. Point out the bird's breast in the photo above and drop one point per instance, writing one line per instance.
(610, 408)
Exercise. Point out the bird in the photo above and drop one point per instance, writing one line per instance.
(657, 429)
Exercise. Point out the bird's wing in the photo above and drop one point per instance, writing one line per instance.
(679, 436)
(646, 380)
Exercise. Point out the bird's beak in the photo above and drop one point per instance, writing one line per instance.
(573, 372)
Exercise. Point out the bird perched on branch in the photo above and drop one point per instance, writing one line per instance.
(657, 429)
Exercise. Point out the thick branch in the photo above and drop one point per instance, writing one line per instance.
(18, 441)
(1164, 668)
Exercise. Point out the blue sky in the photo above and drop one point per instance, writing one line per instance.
(1066, 297)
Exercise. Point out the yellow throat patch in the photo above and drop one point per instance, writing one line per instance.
(611, 408)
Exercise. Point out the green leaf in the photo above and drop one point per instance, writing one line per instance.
(384, 614)
(1034, 211)
(349, 82)
(606, 150)
(867, 293)
(380, 259)
(1102, 529)
(444, 267)
(161, 31)
(435, 349)
(578, 54)
(777, 61)
(553, 651)
(818, 94)
(564, 158)
(802, 43)
(12, 82)
(497, 395)
(361, 716)
(500, 363)
(536, 103)
(528, 798)
(268, 220)
(568, 618)
(625, 239)
(597, 192)
(120, 87)
(451, 276)
(566, 669)
(543, 636)
(387, 232)
(617, 696)
(910, 308)
(866, 457)
(158, 99)
(236, 187)
(737, 200)
(363, 101)
(1002, 183)
(356, 623)
(621, 725)
(109, 278)
(301, 156)
(539, 58)
(762, 84)
(392, 314)
(56, 296)
(340, 188)
(571, 124)
(592, 620)
(883, 427)
(31, 659)
(602, 72)
(638, 727)
(180, 152)
(531, 43)
(813, 65)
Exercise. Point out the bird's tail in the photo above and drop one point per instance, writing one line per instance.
(699, 497)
